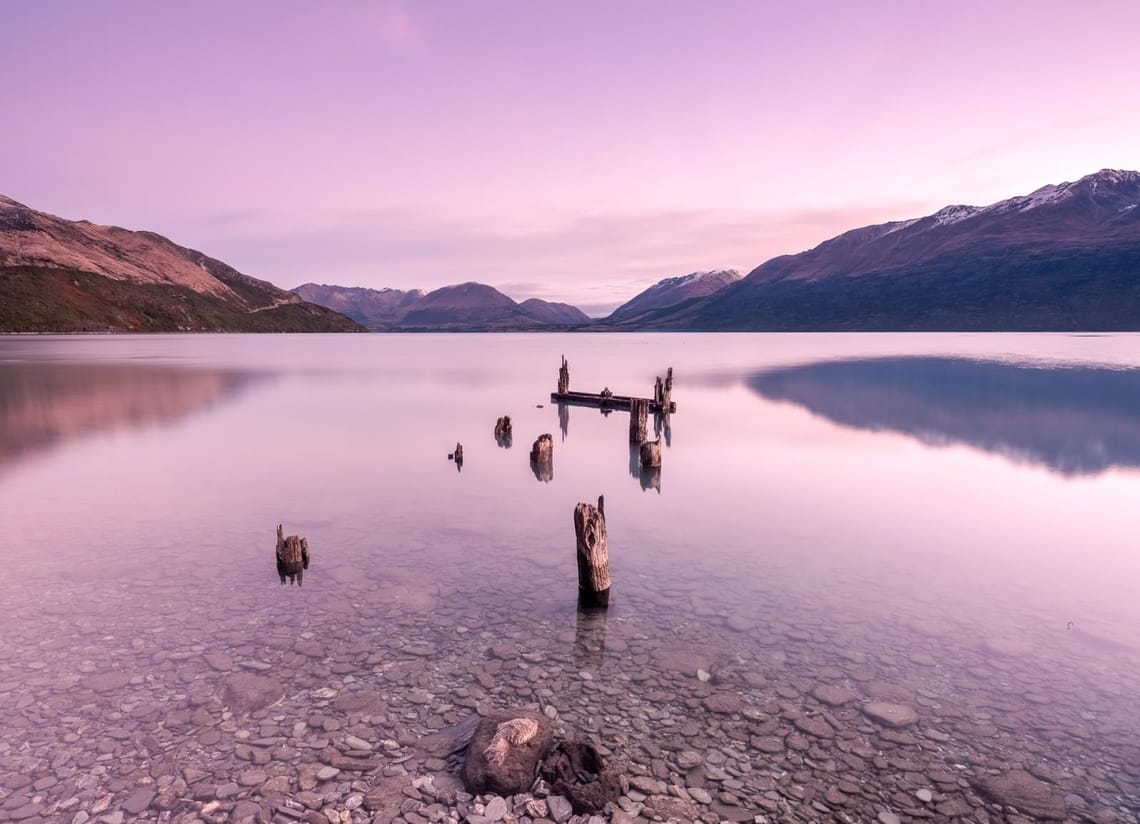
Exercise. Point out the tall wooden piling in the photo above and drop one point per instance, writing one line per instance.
(638, 420)
(564, 377)
(593, 554)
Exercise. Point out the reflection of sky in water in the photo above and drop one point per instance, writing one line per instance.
(830, 512)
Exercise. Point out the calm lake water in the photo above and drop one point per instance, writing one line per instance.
(943, 522)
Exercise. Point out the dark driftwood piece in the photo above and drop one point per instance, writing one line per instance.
(503, 435)
(651, 453)
(576, 770)
(638, 420)
(292, 557)
(564, 377)
(593, 554)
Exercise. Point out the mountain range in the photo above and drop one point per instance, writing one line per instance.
(1064, 257)
(464, 307)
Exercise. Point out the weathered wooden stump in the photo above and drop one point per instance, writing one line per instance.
(651, 453)
(564, 377)
(638, 420)
(503, 435)
(292, 557)
(663, 391)
(593, 554)
(543, 449)
(506, 751)
(542, 458)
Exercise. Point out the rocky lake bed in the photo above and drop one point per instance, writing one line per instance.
(337, 702)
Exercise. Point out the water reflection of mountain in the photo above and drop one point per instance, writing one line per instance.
(1073, 419)
(43, 404)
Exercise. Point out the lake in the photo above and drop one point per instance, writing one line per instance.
(875, 576)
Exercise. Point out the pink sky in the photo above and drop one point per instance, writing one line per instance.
(570, 151)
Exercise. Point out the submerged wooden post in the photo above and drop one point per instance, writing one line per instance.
(543, 449)
(651, 453)
(503, 434)
(542, 458)
(593, 554)
(292, 557)
(638, 420)
(564, 377)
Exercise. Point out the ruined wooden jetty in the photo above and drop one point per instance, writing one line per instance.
(660, 402)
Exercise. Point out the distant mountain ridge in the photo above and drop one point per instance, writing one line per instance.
(1064, 257)
(673, 291)
(466, 307)
(58, 275)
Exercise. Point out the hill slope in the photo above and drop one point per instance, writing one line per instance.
(1065, 257)
(58, 275)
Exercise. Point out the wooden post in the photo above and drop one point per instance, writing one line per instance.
(543, 449)
(667, 393)
(651, 453)
(542, 458)
(564, 377)
(593, 554)
(292, 557)
(638, 420)
(503, 435)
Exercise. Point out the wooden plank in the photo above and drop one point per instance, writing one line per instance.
(611, 402)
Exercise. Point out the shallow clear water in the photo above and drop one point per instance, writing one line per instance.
(943, 521)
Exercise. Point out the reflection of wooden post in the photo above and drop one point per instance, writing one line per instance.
(593, 554)
(564, 419)
(638, 420)
(651, 453)
(564, 377)
(590, 638)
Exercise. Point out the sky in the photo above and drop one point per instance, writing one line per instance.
(571, 151)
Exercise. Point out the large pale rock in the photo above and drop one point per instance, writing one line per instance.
(891, 715)
(246, 693)
(1021, 790)
(505, 752)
